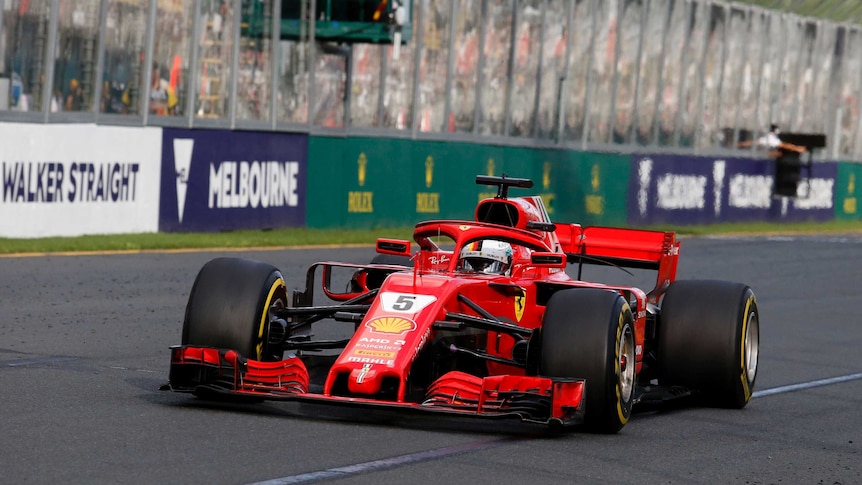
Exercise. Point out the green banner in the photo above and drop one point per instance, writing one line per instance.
(591, 188)
(848, 192)
(368, 182)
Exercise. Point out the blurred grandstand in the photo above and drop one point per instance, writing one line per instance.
(687, 76)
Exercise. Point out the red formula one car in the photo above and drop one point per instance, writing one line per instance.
(482, 320)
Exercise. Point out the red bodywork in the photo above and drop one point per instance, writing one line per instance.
(414, 308)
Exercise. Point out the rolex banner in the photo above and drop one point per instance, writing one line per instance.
(377, 182)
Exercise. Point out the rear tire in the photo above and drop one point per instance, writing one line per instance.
(589, 333)
(709, 340)
(229, 307)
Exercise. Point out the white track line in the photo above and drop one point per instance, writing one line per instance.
(371, 466)
(422, 456)
(806, 385)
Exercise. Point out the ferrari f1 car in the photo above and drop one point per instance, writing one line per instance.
(481, 320)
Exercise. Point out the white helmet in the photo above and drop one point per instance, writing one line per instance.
(488, 256)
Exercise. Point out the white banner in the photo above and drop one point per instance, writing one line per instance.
(76, 179)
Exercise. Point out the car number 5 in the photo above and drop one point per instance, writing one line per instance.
(405, 302)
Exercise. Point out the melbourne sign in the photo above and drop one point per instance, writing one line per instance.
(228, 180)
(674, 189)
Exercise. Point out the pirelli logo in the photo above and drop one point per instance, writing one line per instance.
(374, 353)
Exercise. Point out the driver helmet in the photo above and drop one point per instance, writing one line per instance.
(487, 256)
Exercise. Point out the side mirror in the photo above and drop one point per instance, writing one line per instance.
(548, 260)
(397, 247)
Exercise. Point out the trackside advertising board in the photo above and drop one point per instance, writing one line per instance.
(674, 189)
(75, 179)
(217, 180)
(848, 192)
(361, 182)
(590, 188)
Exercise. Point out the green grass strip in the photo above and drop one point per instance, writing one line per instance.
(329, 237)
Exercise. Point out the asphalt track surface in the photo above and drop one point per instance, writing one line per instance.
(84, 348)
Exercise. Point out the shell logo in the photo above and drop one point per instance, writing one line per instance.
(395, 325)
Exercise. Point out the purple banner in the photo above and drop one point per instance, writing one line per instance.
(685, 190)
(217, 180)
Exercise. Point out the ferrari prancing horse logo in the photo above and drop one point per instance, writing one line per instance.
(519, 306)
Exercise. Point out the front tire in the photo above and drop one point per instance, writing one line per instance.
(709, 340)
(589, 333)
(230, 307)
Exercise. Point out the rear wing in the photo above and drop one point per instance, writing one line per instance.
(628, 248)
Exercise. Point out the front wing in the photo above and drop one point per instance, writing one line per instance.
(544, 400)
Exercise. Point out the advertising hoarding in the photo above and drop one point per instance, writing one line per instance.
(686, 190)
(76, 179)
(217, 180)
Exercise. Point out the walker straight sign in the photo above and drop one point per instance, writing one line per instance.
(64, 180)
(229, 180)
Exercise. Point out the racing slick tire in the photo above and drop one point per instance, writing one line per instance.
(229, 307)
(589, 333)
(709, 340)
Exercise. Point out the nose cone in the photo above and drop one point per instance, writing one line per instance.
(364, 380)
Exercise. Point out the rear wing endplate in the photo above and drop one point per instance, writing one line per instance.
(628, 248)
